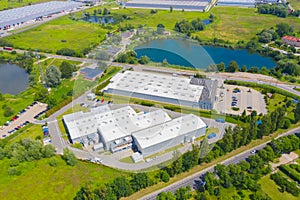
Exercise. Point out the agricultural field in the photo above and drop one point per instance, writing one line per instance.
(41, 181)
(8, 4)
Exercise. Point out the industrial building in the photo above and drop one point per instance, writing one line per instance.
(123, 128)
(164, 136)
(12, 17)
(191, 92)
(244, 3)
(187, 5)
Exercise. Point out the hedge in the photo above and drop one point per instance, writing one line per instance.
(293, 174)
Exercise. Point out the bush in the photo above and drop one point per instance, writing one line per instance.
(293, 174)
(53, 162)
(13, 171)
(13, 162)
(69, 157)
(66, 52)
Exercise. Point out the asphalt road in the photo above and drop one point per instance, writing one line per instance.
(193, 179)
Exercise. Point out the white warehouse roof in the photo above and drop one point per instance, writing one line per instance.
(123, 125)
(156, 85)
(112, 124)
(169, 130)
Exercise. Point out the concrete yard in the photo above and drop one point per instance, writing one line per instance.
(247, 99)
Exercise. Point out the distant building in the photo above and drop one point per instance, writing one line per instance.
(290, 40)
(122, 128)
(187, 5)
(194, 92)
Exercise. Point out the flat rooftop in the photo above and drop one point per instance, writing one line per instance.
(165, 4)
(169, 130)
(112, 124)
(23, 14)
(156, 85)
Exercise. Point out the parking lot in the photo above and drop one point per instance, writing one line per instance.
(24, 117)
(235, 99)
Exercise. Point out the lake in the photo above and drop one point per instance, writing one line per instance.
(190, 54)
(13, 79)
(99, 20)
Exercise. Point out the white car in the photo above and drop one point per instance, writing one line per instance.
(253, 151)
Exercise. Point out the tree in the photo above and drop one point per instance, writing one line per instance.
(165, 196)
(66, 69)
(139, 181)
(69, 157)
(1, 97)
(232, 67)
(183, 193)
(144, 60)
(8, 111)
(171, 8)
(221, 66)
(297, 112)
(164, 176)
(106, 11)
(52, 76)
(48, 151)
(86, 193)
(284, 29)
(122, 188)
(160, 28)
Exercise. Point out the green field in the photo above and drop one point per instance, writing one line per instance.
(232, 24)
(295, 4)
(41, 181)
(270, 188)
(48, 37)
(9, 4)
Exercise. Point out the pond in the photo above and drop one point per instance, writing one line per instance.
(99, 20)
(190, 54)
(13, 78)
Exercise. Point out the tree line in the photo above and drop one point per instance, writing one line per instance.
(26, 150)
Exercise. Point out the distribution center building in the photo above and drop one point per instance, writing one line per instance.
(194, 92)
(122, 128)
(177, 131)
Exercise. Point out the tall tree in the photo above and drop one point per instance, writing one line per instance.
(66, 69)
(52, 76)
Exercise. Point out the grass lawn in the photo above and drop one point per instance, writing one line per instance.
(270, 187)
(295, 4)
(48, 37)
(231, 24)
(127, 160)
(41, 181)
(7, 4)
(234, 24)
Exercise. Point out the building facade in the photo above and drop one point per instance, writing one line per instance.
(290, 40)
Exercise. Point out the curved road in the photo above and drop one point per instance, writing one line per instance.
(195, 178)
